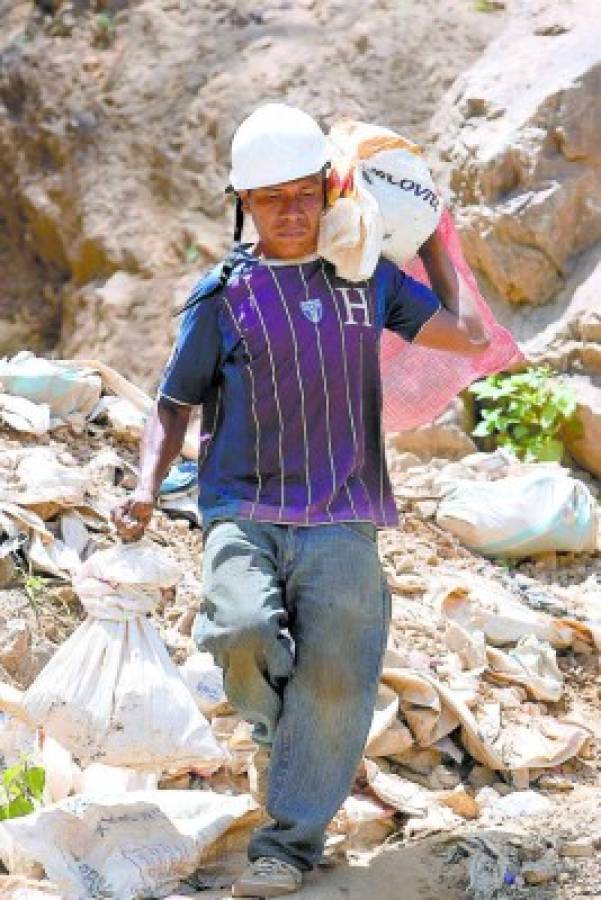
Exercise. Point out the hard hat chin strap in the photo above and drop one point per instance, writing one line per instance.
(239, 221)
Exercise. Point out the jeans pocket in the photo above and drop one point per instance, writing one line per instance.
(366, 530)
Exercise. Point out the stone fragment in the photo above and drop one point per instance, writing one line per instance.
(581, 847)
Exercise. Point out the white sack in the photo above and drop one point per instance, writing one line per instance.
(66, 387)
(519, 516)
(111, 693)
(388, 205)
(140, 845)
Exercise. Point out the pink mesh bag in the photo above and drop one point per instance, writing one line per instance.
(418, 383)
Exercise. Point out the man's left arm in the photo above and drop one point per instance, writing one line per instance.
(458, 327)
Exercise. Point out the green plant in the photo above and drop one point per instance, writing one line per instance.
(530, 413)
(34, 586)
(105, 23)
(192, 253)
(488, 5)
(21, 788)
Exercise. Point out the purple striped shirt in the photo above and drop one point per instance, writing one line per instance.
(285, 363)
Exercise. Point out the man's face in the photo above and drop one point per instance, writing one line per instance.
(287, 216)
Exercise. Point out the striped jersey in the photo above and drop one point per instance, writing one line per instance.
(284, 361)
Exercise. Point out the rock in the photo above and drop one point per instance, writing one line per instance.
(186, 620)
(586, 449)
(540, 871)
(572, 341)
(15, 643)
(518, 140)
(175, 782)
(581, 847)
(399, 462)
(443, 778)
(446, 437)
(461, 802)
(421, 762)
(426, 509)
(481, 776)
(407, 584)
(34, 661)
(520, 779)
(97, 319)
(555, 784)
(8, 572)
(114, 159)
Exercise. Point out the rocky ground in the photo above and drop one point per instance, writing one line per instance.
(116, 149)
(550, 853)
(115, 122)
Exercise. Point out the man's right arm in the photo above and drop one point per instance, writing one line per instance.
(161, 443)
(188, 377)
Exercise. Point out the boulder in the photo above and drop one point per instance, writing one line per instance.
(586, 449)
(127, 321)
(447, 437)
(573, 341)
(15, 644)
(115, 132)
(518, 141)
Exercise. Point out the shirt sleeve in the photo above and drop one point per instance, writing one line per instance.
(194, 362)
(409, 305)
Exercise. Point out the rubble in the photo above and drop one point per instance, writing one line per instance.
(478, 716)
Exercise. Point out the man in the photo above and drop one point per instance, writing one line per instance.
(283, 357)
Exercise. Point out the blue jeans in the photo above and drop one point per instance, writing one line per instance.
(297, 617)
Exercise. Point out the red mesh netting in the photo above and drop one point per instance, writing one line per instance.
(418, 383)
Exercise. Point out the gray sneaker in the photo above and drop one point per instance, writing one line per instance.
(268, 877)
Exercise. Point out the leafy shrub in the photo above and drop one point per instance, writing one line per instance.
(529, 413)
(21, 787)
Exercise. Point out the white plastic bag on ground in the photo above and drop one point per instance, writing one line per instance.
(23, 415)
(98, 778)
(519, 516)
(67, 388)
(481, 605)
(532, 664)
(372, 163)
(125, 420)
(387, 735)
(140, 845)
(111, 693)
(205, 680)
(433, 710)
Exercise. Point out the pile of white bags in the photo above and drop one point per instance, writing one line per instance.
(383, 200)
(544, 509)
(111, 693)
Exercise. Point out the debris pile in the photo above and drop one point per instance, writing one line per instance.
(488, 709)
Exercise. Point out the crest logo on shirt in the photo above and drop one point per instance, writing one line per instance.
(313, 310)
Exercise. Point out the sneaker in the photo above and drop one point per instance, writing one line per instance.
(268, 877)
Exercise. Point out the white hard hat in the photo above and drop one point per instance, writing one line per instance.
(275, 144)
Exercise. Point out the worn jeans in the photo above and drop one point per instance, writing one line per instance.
(297, 617)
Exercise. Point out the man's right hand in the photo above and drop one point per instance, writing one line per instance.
(131, 518)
